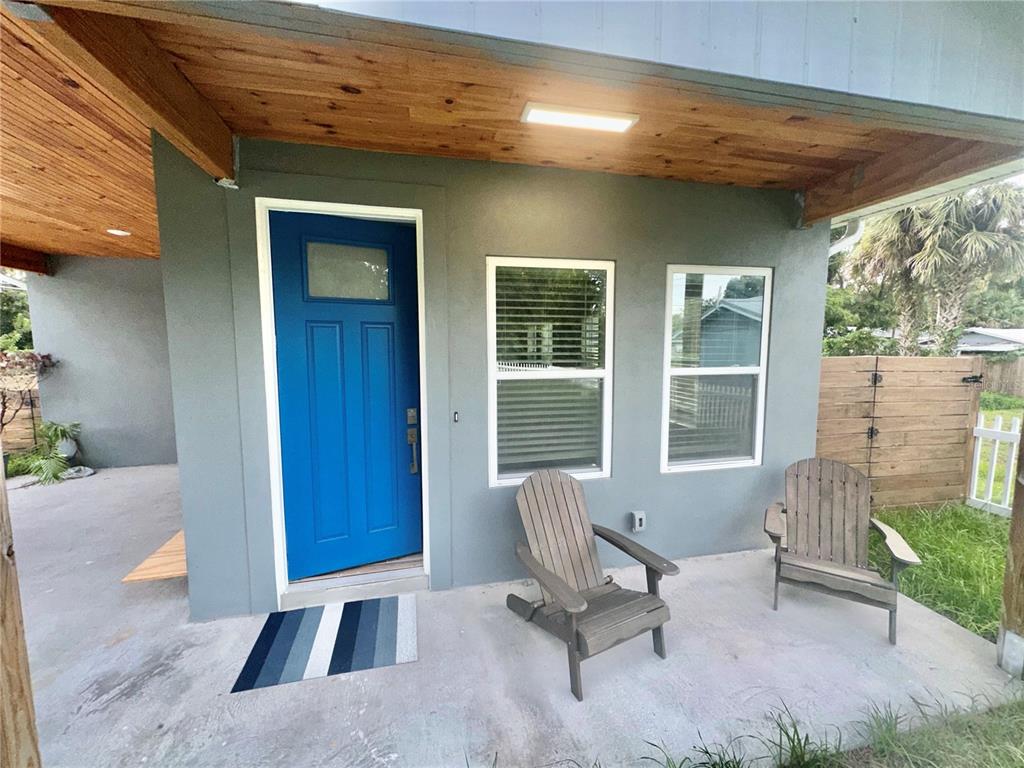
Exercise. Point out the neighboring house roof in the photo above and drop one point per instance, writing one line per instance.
(991, 340)
(11, 282)
(1015, 335)
(750, 308)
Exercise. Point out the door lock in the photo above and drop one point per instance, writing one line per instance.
(412, 438)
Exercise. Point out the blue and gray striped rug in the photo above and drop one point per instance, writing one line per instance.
(331, 639)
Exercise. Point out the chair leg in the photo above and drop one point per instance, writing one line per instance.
(658, 633)
(575, 681)
(778, 566)
(896, 568)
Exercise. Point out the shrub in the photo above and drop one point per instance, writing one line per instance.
(997, 401)
(20, 463)
(859, 342)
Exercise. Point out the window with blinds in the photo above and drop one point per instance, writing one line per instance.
(716, 345)
(550, 366)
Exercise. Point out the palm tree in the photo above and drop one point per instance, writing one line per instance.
(934, 254)
(883, 255)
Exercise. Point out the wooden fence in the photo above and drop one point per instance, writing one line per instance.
(1005, 377)
(20, 434)
(906, 422)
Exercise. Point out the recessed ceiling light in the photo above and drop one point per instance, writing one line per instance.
(570, 117)
(118, 232)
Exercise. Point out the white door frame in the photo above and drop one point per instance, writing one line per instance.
(264, 205)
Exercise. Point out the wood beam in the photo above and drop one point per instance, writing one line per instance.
(19, 740)
(926, 162)
(16, 257)
(118, 55)
(1013, 586)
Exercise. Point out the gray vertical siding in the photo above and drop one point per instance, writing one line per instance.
(103, 320)
(472, 210)
(963, 55)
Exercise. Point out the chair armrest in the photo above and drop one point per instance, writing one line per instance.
(567, 597)
(898, 548)
(637, 551)
(774, 522)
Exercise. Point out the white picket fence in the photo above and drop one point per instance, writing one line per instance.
(990, 441)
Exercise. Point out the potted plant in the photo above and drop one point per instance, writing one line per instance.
(59, 445)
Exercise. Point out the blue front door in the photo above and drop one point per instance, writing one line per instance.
(345, 310)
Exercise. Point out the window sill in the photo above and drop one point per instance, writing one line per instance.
(671, 469)
(505, 482)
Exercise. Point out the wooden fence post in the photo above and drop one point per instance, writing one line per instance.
(1011, 635)
(977, 369)
(19, 741)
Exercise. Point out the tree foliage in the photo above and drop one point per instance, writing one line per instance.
(943, 263)
(15, 326)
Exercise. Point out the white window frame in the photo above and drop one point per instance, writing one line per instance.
(493, 375)
(760, 370)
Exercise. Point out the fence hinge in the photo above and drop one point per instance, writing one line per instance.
(872, 433)
(876, 378)
(977, 378)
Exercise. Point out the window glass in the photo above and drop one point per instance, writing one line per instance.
(549, 423)
(714, 366)
(339, 271)
(549, 317)
(550, 383)
(716, 319)
(711, 417)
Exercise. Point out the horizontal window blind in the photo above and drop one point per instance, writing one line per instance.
(549, 326)
(546, 423)
(550, 317)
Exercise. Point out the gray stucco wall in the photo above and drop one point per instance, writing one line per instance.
(472, 210)
(103, 320)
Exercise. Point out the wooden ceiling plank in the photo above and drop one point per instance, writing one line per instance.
(117, 54)
(36, 63)
(17, 257)
(929, 161)
(74, 161)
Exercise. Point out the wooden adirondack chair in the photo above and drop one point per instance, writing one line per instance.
(580, 605)
(821, 536)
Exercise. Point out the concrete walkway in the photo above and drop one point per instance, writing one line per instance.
(123, 678)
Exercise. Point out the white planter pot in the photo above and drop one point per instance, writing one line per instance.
(67, 448)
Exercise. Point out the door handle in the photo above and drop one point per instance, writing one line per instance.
(411, 437)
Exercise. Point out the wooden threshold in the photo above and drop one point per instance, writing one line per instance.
(167, 562)
(406, 562)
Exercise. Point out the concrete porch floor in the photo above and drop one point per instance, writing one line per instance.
(123, 678)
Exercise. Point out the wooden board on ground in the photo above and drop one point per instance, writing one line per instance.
(168, 562)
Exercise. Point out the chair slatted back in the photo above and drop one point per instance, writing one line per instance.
(828, 510)
(558, 530)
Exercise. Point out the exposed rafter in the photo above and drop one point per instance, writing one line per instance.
(927, 162)
(16, 257)
(117, 54)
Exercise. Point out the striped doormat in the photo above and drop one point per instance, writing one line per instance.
(331, 639)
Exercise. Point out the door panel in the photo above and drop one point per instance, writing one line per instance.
(348, 371)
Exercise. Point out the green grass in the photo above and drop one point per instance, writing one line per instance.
(963, 561)
(940, 737)
(932, 736)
